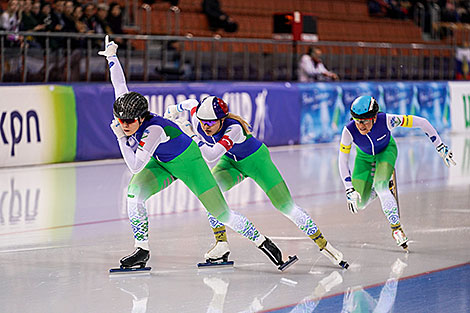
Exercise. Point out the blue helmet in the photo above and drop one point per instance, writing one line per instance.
(212, 108)
(364, 107)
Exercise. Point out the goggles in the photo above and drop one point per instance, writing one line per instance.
(363, 120)
(209, 123)
(127, 120)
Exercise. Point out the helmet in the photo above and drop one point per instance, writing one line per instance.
(130, 105)
(212, 108)
(364, 107)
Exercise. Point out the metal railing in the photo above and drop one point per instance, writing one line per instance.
(70, 57)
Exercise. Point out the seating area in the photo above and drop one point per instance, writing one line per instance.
(337, 20)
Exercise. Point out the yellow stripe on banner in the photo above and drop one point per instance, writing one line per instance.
(345, 149)
(407, 121)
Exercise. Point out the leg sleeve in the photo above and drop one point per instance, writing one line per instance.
(142, 186)
(226, 174)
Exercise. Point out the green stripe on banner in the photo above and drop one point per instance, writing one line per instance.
(64, 104)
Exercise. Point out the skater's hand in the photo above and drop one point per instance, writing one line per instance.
(353, 197)
(446, 154)
(110, 48)
(117, 129)
(185, 126)
(172, 112)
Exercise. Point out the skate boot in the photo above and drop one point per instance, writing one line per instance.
(217, 255)
(138, 258)
(400, 237)
(334, 255)
(275, 255)
(219, 252)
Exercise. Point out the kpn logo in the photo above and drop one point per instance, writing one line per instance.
(21, 127)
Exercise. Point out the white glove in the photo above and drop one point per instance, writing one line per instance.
(185, 126)
(172, 112)
(117, 129)
(110, 48)
(446, 154)
(353, 197)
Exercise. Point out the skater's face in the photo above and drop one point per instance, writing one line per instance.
(211, 127)
(365, 125)
(130, 126)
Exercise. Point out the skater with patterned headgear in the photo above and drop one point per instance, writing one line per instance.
(158, 152)
(226, 137)
(376, 154)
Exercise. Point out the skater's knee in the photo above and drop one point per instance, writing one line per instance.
(223, 217)
(381, 185)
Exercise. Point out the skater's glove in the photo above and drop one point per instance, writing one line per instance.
(185, 126)
(446, 154)
(110, 48)
(353, 197)
(172, 112)
(117, 129)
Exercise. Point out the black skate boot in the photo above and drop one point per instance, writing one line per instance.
(138, 258)
(275, 255)
(134, 262)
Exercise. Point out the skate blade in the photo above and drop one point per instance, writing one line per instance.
(344, 264)
(130, 270)
(286, 265)
(215, 264)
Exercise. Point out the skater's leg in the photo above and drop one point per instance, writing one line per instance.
(226, 177)
(384, 170)
(152, 179)
(262, 170)
(195, 173)
(363, 177)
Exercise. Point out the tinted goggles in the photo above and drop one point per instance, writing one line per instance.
(363, 120)
(209, 123)
(127, 120)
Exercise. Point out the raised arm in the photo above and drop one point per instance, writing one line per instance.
(117, 74)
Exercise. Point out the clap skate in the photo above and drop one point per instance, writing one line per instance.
(275, 255)
(217, 256)
(400, 237)
(134, 262)
(334, 255)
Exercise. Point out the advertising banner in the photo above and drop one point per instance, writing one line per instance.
(460, 112)
(325, 106)
(37, 125)
(272, 109)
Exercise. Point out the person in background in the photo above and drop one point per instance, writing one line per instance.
(114, 20)
(376, 154)
(311, 67)
(218, 18)
(158, 153)
(10, 21)
(225, 137)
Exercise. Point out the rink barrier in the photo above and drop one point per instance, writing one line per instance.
(73, 121)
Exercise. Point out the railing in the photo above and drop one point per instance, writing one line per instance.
(67, 57)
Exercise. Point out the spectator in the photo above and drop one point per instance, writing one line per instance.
(115, 23)
(89, 17)
(10, 21)
(449, 13)
(311, 67)
(69, 22)
(217, 18)
(102, 26)
(30, 22)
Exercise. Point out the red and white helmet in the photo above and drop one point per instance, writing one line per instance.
(212, 108)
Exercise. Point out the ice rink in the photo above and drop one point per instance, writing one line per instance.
(62, 227)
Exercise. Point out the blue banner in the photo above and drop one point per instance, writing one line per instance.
(272, 109)
(325, 106)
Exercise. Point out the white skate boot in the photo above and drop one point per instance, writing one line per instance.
(400, 237)
(334, 255)
(217, 255)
